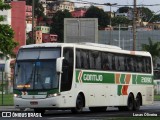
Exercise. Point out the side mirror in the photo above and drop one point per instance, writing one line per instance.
(59, 62)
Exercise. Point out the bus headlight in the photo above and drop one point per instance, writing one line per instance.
(17, 96)
(53, 95)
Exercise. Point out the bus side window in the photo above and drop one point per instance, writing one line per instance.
(110, 61)
(95, 60)
(78, 59)
(121, 63)
(143, 65)
(139, 64)
(84, 59)
(66, 79)
(113, 63)
(125, 63)
(98, 61)
(105, 63)
(117, 63)
(148, 65)
(130, 64)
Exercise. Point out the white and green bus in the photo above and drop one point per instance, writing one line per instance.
(78, 75)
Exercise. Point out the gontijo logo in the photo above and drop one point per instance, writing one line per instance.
(90, 77)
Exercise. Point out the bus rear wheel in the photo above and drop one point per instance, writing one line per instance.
(79, 104)
(137, 103)
(130, 104)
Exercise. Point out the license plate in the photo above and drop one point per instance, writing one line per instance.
(34, 103)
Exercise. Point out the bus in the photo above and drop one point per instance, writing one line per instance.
(82, 75)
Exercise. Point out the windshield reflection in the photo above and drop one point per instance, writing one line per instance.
(36, 75)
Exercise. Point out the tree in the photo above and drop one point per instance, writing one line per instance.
(7, 44)
(120, 20)
(124, 9)
(153, 49)
(95, 12)
(146, 13)
(58, 23)
(38, 8)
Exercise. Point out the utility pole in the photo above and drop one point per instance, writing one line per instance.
(134, 25)
(110, 21)
(33, 22)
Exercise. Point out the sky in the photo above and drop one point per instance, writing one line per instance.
(155, 9)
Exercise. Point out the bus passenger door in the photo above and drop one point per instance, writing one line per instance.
(67, 75)
(67, 67)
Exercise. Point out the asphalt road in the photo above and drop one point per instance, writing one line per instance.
(145, 111)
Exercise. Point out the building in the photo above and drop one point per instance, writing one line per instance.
(41, 37)
(18, 22)
(28, 18)
(7, 17)
(78, 13)
(44, 29)
(49, 38)
(53, 6)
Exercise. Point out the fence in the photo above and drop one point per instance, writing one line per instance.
(6, 89)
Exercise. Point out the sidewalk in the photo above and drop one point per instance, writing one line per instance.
(8, 108)
(12, 109)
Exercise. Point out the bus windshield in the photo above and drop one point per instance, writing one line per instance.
(36, 71)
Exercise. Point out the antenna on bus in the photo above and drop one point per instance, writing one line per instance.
(101, 45)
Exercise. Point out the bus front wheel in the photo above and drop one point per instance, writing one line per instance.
(79, 104)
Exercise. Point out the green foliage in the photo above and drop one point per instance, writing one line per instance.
(146, 13)
(120, 20)
(155, 18)
(58, 23)
(95, 12)
(4, 6)
(153, 48)
(7, 44)
(124, 9)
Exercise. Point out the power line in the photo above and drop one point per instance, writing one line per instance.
(104, 4)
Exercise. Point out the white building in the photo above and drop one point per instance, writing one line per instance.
(7, 16)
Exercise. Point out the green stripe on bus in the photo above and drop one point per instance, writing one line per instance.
(119, 92)
(134, 79)
(97, 77)
(94, 77)
(143, 79)
(122, 81)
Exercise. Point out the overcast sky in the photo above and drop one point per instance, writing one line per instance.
(126, 2)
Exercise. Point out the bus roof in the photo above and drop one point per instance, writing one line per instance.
(87, 45)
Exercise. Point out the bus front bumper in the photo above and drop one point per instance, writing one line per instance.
(53, 102)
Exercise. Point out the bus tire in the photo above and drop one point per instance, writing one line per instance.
(130, 103)
(79, 104)
(98, 109)
(39, 110)
(137, 103)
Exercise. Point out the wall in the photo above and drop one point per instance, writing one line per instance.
(18, 22)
